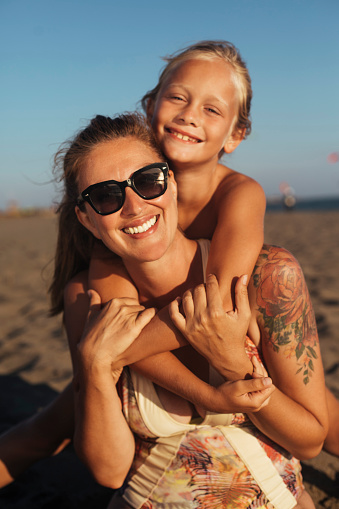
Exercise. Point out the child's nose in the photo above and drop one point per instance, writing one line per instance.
(133, 203)
(190, 115)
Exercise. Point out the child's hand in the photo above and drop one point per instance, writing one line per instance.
(110, 330)
(244, 396)
(216, 335)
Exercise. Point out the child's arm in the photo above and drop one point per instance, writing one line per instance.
(239, 233)
(165, 369)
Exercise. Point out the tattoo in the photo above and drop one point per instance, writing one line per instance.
(285, 309)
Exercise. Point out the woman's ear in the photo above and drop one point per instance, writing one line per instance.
(234, 140)
(85, 220)
(173, 184)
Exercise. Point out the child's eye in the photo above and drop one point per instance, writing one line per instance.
(176, 98)
(212, 110)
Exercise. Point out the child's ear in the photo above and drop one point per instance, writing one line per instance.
(234, 140)
(85, 220)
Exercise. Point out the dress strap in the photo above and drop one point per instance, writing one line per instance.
(261, 467)
(204, 245)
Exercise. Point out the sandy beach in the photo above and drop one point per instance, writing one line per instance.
(35, 362)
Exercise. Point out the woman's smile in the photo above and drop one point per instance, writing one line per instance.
(144, 227)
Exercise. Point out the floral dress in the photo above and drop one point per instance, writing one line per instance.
(222, 462)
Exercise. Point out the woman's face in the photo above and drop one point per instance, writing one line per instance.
(157, 219)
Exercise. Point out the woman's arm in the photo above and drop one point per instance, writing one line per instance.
(102, 437)
(239, 233)
(296, 416)
(102, 440)
(97, 406)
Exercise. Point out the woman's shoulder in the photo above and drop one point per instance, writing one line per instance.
(78, 284)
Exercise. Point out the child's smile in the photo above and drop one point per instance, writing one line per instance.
(192, 118)
(182, 136)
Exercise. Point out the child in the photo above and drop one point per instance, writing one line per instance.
(199, 110)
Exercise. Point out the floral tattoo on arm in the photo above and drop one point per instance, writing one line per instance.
(285, 310)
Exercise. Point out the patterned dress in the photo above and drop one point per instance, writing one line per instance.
(222, 462)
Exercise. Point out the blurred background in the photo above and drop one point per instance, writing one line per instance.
(64, 61)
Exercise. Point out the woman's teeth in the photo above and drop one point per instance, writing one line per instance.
(141, 229)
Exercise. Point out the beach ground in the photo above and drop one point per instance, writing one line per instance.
(35, 363)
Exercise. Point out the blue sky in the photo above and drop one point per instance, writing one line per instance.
(64, 61)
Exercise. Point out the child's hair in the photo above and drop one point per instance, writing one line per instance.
(75, 242)
(207, 50)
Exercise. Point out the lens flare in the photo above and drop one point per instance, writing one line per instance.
(333, 157)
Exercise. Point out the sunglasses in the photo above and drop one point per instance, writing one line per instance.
(108, 197)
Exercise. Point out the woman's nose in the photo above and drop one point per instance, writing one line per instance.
(133, 203)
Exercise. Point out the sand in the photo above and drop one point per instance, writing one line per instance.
(35, 363)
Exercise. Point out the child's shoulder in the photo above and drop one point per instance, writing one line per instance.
(233, 182)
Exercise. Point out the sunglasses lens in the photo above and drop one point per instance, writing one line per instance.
(150, 183)
(107, 198)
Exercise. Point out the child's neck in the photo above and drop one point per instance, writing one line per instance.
(196, 183)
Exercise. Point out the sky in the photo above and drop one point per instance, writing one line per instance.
(64, 61)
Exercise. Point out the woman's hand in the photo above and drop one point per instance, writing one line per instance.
(218, 336)
(111, 329)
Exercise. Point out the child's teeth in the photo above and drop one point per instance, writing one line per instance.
(184, 137)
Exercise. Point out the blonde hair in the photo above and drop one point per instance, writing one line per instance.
(75, 242)
(208, 50)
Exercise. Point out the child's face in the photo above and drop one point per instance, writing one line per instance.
(195, 112)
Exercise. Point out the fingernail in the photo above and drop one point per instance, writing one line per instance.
(267, 381)
(244, 279)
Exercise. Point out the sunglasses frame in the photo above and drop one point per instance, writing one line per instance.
(85, 195)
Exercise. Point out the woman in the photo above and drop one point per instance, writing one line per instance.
(173, 457)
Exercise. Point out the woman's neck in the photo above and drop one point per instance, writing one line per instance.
(161, 281)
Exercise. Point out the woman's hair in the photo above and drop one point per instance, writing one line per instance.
(75, 242)
(208, 50)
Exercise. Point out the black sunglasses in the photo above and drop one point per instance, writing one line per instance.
(108, 197)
